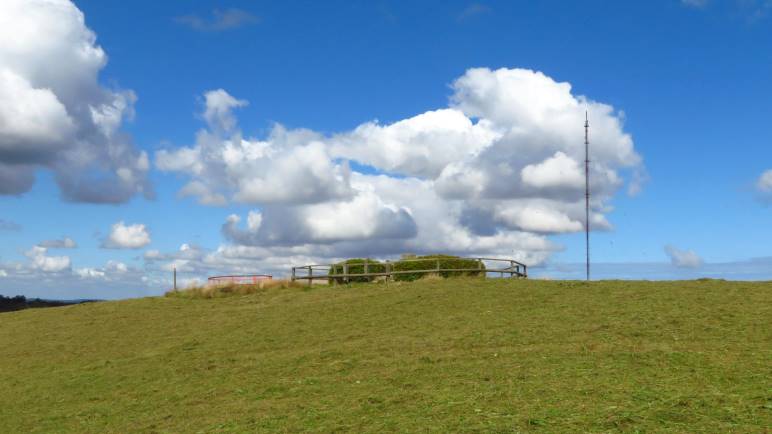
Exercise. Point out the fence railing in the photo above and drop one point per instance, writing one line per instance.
(502, 267)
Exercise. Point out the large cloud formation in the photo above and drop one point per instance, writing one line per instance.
(55, 114)
(494, 173)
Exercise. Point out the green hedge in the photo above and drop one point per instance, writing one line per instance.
(430, 263)
(356, 266)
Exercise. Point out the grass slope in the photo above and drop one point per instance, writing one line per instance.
(454, 355)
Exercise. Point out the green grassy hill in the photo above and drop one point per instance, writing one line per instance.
(440, 356)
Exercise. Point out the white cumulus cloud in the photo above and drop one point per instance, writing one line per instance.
(290, 167)
(420, 146)
(89, 273)
(55, 114)
(39, 260)
(219, 109)
(123, 236)
(559, 171)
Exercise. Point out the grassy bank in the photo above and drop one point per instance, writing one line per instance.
(437, 355)
(263, 289)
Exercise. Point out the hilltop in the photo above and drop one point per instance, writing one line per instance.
(437, 355)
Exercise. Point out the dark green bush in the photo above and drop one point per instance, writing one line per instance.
(356, 266)
(430, 263)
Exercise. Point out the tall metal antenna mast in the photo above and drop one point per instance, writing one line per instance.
(587, 189)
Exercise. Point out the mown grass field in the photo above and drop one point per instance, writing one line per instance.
(440, 356)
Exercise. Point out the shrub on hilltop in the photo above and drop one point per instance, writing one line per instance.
(431, 262)
(470, 267)
(356, 266)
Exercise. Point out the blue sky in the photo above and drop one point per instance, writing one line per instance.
(689, 83)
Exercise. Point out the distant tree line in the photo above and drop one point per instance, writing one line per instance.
(19, 302)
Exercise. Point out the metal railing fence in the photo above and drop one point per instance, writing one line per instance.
(386, 269)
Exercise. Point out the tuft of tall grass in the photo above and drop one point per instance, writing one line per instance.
(230, 289)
